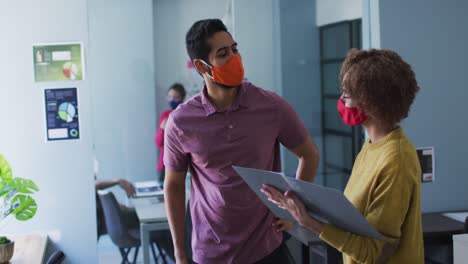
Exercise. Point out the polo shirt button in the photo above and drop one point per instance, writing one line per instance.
(231, 126)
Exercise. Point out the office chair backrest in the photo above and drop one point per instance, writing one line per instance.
(465, 230)
(115, 225)
(56, 258)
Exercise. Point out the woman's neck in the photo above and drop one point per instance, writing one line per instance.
(377, 131)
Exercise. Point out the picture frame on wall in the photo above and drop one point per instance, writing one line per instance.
(61, 61)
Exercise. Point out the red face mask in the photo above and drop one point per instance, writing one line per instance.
(229, 74)
(351, 116)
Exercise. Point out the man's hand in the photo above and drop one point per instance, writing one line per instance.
(174, 201)
(181, 258)
(308, 156)
(127, 187)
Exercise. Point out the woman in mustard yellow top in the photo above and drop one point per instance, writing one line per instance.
(378, 88)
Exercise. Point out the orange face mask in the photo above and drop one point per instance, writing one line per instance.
(229, 74)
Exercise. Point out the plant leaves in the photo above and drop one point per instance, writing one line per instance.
(22, 206)
(3, 189)
(26, 207)
(5, 170)
(23, 185)
(4, 240)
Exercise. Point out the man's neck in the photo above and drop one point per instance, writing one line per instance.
(221, 97)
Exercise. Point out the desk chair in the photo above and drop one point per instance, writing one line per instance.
(124, 237)
(465, 229)
(58, 257)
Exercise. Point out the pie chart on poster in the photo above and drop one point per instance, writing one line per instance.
(70, 70)
(67, 112)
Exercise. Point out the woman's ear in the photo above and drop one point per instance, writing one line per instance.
(200, 66)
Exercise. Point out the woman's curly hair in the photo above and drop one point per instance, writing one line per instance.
(381, 83)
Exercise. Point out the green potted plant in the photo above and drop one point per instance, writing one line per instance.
(15, 201)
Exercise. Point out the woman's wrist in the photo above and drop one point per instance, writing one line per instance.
(313, 224)
(304, 220)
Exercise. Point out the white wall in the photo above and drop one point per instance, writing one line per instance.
(62, 170)
(300, 60)
(370, 24)
(259, 41)
(331, 11)
(433, 39)
(121, 59)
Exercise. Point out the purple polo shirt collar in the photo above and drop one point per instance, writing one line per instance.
(240, 101)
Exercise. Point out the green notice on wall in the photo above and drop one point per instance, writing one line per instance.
(58, 62)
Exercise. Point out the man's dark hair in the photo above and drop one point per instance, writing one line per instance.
(196, 39)
(178, 88)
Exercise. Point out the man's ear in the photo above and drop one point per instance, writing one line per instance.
(200, 66)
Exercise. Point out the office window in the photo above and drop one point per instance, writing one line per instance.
(341, 143)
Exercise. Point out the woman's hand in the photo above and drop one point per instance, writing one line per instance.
(282, 225)
(287, 201)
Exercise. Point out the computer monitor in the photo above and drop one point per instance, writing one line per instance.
(148, 188)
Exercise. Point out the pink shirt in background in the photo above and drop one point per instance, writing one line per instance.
(159, 139)
(230, 224)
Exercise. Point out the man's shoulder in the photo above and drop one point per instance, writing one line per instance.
(191, 107)
(165, 114)
(263, 94)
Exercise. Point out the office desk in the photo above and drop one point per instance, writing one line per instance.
(321, 249)
(437, 229)
(29, 249)
(152, 215)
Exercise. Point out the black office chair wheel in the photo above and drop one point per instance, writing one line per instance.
(56, 258)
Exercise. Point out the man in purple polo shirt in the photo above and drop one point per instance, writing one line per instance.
(230, 122)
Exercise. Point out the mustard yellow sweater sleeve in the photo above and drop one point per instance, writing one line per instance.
(386, 210)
